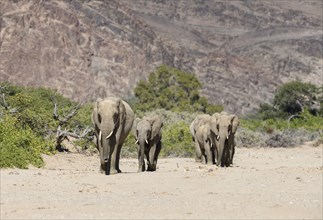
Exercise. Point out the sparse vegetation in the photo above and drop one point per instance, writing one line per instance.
(27, 125)
(28, 128)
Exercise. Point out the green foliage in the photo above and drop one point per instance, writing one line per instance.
(291, 97)
(177, 141)
(304, 120)
(171, 89)
(35, 106)
(267, 111)
(30, 110)
(129, 148)
(19, 146)
(83, 116)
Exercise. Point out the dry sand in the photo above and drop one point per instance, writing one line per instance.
(264, 183)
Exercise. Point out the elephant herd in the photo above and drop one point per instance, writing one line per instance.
(113, 120)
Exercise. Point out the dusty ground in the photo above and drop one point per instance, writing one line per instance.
(263, 184)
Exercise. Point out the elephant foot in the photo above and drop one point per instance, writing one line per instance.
(151, 168)
(198, 158)
(141, 170)
(114, 171)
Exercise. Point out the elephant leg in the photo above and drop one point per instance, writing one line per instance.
(158, 148)
(228, 156)
(208, 156)
(215, 154)
(147, 156)
(118, 158)
(113, 161)
(151, 164)
(198, 153)
(232, 151)
(141, 158)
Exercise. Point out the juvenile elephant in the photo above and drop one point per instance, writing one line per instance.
(148, 137)
(224, 129)
(196, 123)
(204, 141)
(112, 119)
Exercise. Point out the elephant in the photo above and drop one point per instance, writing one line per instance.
(196, 123)
(148, 137)
(205, 144)
(112, 119)
(224, 129)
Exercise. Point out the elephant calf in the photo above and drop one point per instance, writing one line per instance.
(148, 137)
(199, 121)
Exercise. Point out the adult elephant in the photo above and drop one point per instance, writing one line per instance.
(224, 129)
(148, 137)
(112, 119)
(199, 120)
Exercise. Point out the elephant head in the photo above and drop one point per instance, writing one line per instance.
(108, 117)
(148, 138)
(223, 127)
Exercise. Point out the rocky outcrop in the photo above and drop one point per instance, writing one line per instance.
(240, 50)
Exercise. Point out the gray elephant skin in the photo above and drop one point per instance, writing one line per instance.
(224, 129)
(148, 136)
(112, 119)
(199, 121)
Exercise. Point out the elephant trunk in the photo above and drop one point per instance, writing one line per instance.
(151, 162)
(106, 150)
(221, 145)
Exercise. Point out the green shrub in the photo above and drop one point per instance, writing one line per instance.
(291, 97)
(129, 148)
(19, 146)
(171, 89)
(177, 141)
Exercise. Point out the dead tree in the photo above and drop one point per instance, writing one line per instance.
(62, 134)
(3, 101)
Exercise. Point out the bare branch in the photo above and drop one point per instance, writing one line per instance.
(61, 135)
(55, 115)
(70, 115)
(4, 103)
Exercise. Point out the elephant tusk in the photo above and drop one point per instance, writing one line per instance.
(109, 135)
(218, 137)
(227, 137)
(146, 141)
(137, 141)
(100, 136)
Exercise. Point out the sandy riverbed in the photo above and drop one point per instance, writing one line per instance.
(264, 183)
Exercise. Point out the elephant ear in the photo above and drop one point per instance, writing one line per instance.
(213, 125)
(134, 127)
(234, 123)
(156, 125)
(121, 111)
(96, 119)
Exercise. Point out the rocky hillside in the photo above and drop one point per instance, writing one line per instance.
(240, 50)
